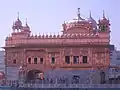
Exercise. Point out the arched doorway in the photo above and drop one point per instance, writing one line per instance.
(34, 75)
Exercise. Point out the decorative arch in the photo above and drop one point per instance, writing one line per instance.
(34, 74)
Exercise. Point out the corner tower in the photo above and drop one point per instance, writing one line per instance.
(20, 31)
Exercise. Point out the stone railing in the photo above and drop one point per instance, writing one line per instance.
(65, 35)
(80, 35)
(59, 39)
(56, 85)
(71, 86)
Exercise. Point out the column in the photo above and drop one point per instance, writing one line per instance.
(105, 56)
(71, 59)
(71, 56)
(32, 60)
(89, 55)
(62, 57)
(80, 59)
(45, 62)
(5, 59)
(25, 58)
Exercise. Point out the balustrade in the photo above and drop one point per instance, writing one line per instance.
(48, 39)
(52, 84)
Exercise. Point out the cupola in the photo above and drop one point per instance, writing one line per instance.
(104, 24)
(18, 24)
(104, 20)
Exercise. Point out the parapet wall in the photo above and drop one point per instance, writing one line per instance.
(82, 38)
(58, 39)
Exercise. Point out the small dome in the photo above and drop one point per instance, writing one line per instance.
(104, 19)
(26, 27)
(18, 22)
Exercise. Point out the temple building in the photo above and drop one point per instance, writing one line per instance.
(83, 45)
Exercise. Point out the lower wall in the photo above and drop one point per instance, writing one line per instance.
(12, 73)
(85, 76)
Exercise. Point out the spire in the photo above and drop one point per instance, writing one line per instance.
(108, 19)
(78, 13)
(103, 14)
(18, 15)
(26, 22)
(90, 14)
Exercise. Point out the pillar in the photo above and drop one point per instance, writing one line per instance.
(71, 56)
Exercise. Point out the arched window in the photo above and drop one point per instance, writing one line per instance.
(75, 59)
(67, 59)
(29, 60)
(53, 60)
(35, 60)
(41, 60)
(84, 59)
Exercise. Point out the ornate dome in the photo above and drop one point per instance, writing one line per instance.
(18, 22)
(17, 25)
(78, 19)
(82, 23)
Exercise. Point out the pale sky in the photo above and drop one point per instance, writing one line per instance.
(47, 15)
